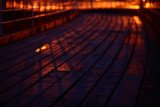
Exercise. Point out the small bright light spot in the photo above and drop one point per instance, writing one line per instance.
(43, 47)
(147, 5)
(143, 0)
(37, 50)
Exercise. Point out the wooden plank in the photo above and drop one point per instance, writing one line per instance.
(85, 85)
(104, 88)
(71, 78)
(37, 72)
(88, 66)
(32, 40)
(127, 90)
(40, 58)
(40, 41)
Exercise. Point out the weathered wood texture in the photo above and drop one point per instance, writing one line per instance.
(97, 59)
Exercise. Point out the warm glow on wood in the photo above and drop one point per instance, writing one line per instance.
(42, 48)
(137, 19)
(37, 50)
(64, 67)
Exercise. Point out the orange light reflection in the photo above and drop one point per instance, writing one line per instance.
(71, 5)
(137, 19)
(64, 67)
(147, 5)
(42, 48)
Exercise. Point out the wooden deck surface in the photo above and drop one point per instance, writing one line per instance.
(95, 60)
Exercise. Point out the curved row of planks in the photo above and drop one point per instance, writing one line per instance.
(97, 59)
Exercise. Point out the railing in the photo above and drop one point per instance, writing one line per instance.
(107, 5)
(16, 11)
(27, 11)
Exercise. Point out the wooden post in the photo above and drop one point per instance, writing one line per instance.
(76, 5)
(50, 4)
(32, 15)
(0, 17)
(64, 4)
(141, 4)
(39, 7)
(91, 2)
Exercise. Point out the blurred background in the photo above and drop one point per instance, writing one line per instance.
(28, 12)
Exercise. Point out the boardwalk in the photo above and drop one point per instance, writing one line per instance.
(95, 60)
